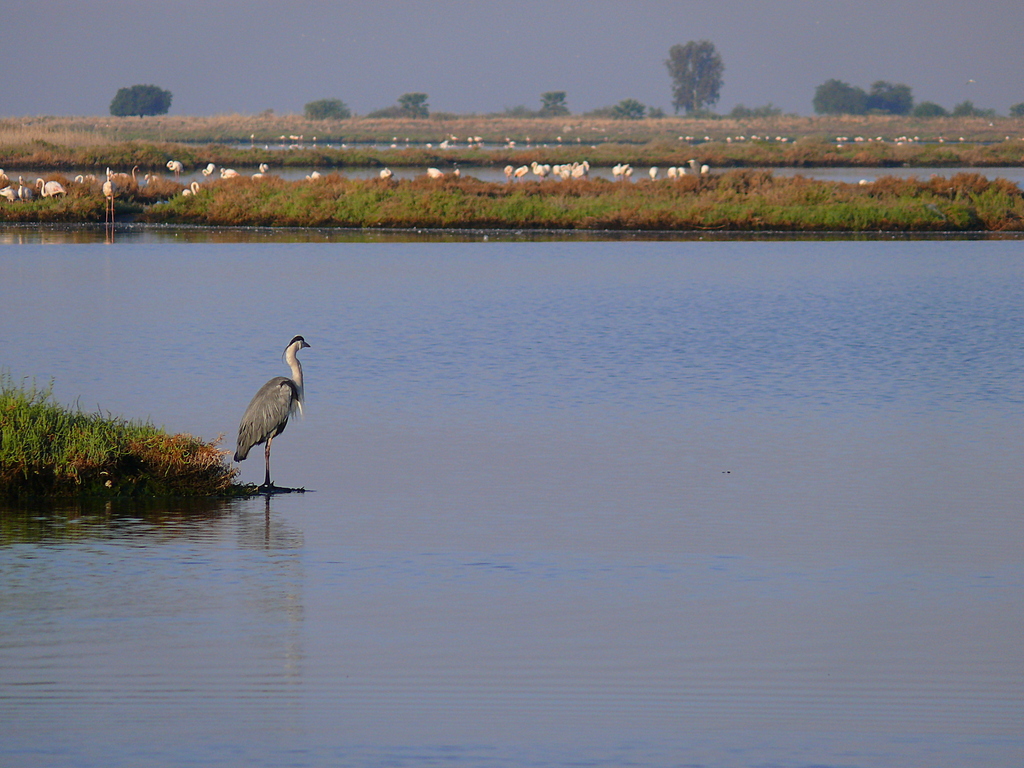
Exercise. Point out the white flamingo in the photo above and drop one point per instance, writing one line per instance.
(509, 170)
(229, 173)
(176, 167)
(9, 193)
(386, 173)
(50, 188)
(653, 173)
(264, 167)
(521, 171)
(209, 169)
(434, 173)
(110, 191)
(191, 189)
(119, 183)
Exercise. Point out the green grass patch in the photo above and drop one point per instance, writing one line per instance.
(48, 450)
(735, 200)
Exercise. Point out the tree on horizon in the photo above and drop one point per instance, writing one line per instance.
(892, 98)
(834, 97)
(552, 103)
(327, 109)
(140, 100)
(696, 70)
(413, 105)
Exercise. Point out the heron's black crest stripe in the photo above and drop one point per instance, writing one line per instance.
(294, 339)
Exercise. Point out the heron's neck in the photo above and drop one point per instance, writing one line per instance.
(296, 366)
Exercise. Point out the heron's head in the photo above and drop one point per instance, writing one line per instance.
(298, 340)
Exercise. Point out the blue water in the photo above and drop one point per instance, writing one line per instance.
(603, 503)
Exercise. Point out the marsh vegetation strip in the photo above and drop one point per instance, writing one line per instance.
(733, 201)
(736, 200)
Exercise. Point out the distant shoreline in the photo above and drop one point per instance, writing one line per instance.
(245, 141)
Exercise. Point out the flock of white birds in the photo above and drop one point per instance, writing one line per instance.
(25, 191)
(117, 183)
(542, 171)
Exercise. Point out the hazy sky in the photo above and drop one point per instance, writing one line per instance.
(68, 57)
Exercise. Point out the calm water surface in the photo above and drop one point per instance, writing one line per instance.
(602, 504)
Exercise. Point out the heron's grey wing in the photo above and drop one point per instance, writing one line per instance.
(267, 414)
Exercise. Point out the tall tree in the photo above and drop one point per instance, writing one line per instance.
(552, 103)
(413, 105)
(140, 100)
(696, 71)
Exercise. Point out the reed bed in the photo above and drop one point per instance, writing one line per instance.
(736, 200)
(47, 450)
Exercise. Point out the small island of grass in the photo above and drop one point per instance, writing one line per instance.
(736, 200)
(48, 450)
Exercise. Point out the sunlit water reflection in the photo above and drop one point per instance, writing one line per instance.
(599, 503)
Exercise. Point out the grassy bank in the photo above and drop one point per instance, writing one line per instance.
(739, 200)
(735, 200)
(47, 450)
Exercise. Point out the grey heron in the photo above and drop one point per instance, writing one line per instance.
(268, 412)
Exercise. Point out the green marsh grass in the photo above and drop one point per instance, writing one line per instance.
(735, 200)
(48, 450)
(741, 200)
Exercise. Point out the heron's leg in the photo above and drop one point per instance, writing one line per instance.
(267, 482)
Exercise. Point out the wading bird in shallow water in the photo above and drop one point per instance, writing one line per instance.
(110, 191)
(267, 414)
